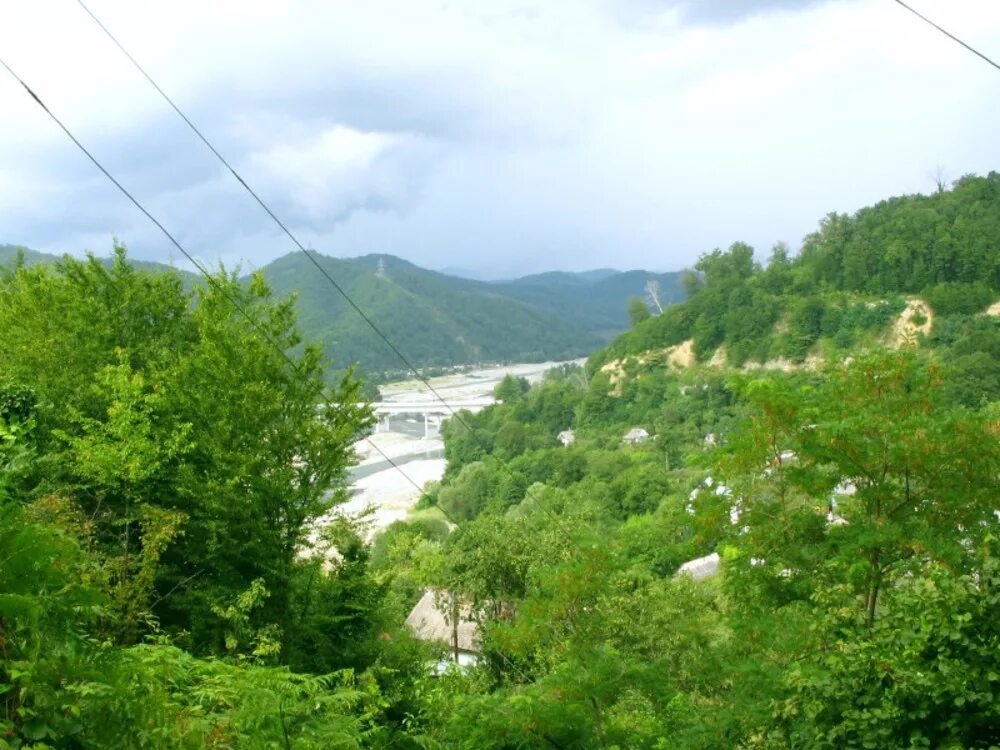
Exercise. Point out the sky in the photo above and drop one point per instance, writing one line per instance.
(502, 138)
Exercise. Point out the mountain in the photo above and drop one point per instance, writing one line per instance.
(436, 319)
(8, 254)
(464, 273)
(597, 301)
(597, 274)
(432, 318)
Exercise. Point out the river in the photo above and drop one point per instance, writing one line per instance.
(388, 494)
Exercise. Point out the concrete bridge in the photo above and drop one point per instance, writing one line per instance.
(433, 411)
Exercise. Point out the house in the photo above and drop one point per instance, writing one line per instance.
(635, 436)
(430, 620)
(700, 567)
(567, 437)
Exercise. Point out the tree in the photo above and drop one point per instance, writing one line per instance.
(510, 389)
(638, 311)
(875, 450)
(924, 676)
(173, 419)
(653, 295)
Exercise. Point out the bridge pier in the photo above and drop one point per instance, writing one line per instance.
(432, 420)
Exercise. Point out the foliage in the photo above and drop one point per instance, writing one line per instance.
(926, 675)
(162, 468)
(845, 285)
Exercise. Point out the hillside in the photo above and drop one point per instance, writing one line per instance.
(438, 320)
(778, 556)
(845, 289)
(9, 253)
(687, 557)
(595, 300)
(432, 318)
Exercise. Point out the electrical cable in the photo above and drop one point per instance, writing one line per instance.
(214, 282)
(948, 34)
(284, 228)
(204, 272)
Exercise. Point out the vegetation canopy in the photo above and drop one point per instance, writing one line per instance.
(763, 518)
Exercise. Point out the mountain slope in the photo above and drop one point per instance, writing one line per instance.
(859, 281)
(9, 253)
(596, 300)
(433, 319)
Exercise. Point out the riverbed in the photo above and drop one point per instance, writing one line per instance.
(389, 493)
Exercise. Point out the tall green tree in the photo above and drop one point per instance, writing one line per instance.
(860, 480)
(201, 416)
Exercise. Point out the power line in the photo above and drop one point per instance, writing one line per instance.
(204, 272)
(215, 283)
(284, 228)
(949, 34)
(221, 289)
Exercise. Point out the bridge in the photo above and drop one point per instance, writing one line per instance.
(433, 411)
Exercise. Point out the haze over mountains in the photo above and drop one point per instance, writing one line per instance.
(436, 319)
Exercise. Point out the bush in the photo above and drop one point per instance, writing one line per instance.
(953, 298)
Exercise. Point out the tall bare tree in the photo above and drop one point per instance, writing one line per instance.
(653, 295)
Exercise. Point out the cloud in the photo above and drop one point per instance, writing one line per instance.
(732, 11)
(327, 176)
(701, 12)
(506, 136)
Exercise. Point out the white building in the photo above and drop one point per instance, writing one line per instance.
(700, 567)
(635, 436)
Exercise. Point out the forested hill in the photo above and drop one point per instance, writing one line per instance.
(851, 280)
(9, 255)
(596, 300)
(784, 557)
(793, 558)
(432, 318)
(436, 319)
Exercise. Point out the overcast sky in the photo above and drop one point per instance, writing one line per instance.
(502, 137)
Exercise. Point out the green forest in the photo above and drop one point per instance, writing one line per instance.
(162, 465)
(436, 321)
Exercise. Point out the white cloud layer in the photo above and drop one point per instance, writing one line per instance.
(505, 136)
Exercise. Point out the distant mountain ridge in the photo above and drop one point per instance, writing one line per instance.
(596, 300)
(435, 319)
(9, 253)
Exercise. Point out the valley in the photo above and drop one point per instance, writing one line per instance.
(380, 493)
(750, 510)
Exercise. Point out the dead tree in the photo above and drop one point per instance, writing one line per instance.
(653, 295)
